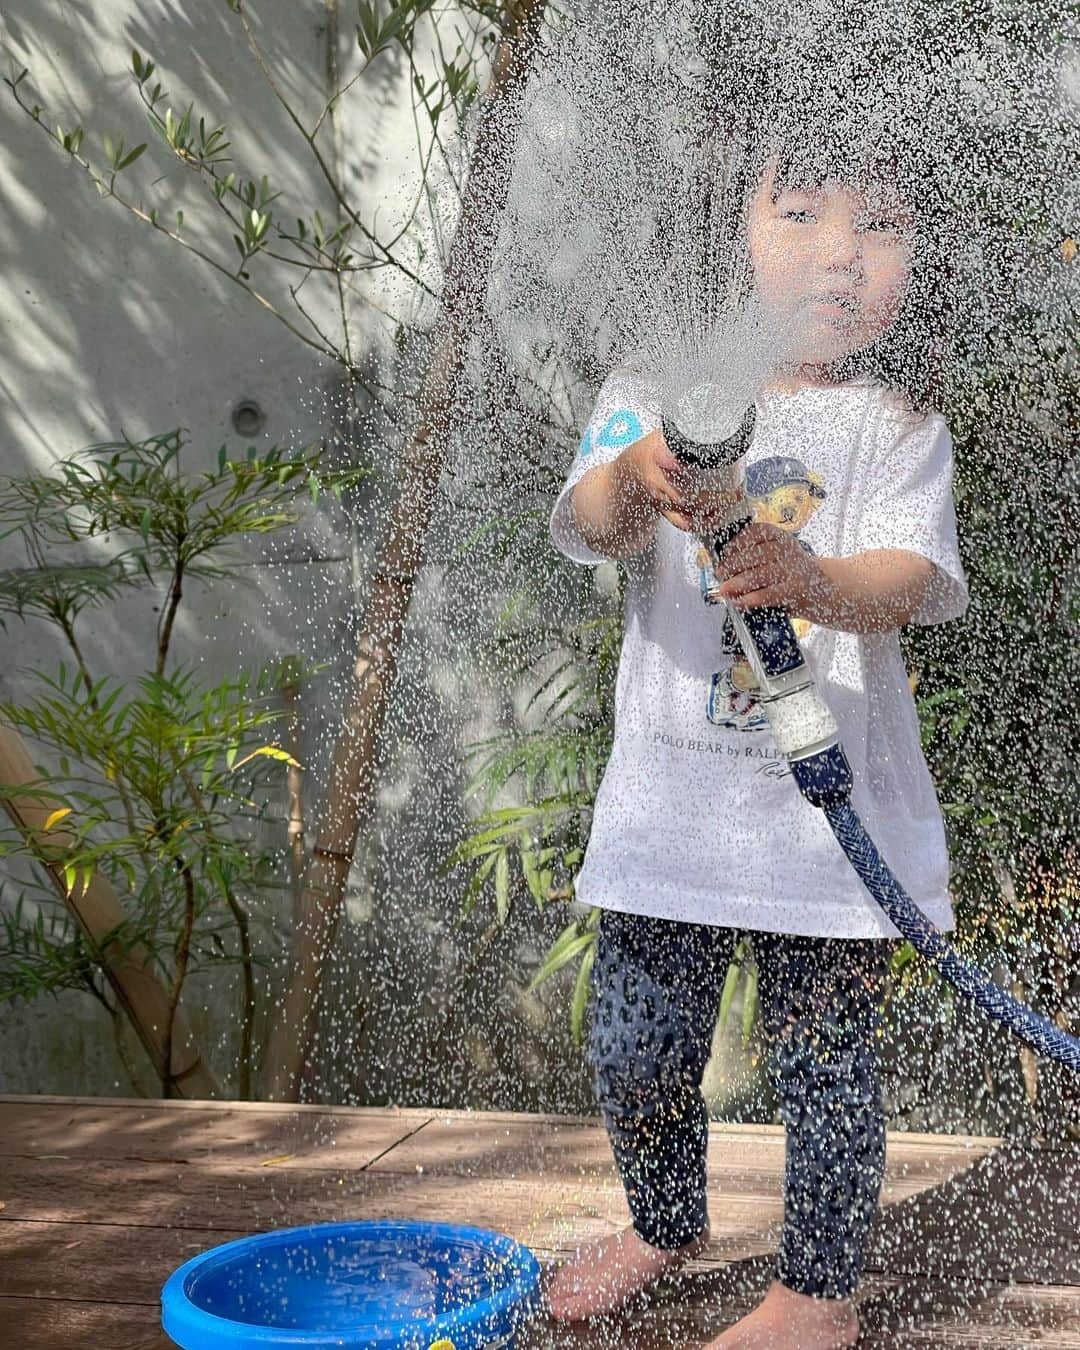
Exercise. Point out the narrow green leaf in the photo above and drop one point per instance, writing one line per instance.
(731, 983)
(532, 877)
(556, 963)
(581, 995)
(750, 1005)
(502, 886)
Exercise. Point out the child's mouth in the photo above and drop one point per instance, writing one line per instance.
(835, 303)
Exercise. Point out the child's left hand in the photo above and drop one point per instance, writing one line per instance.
(765, 565)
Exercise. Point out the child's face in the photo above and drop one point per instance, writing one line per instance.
(838, 258)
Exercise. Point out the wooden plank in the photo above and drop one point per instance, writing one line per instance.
(159, 1195)
(97, 1263)
(208, 1193)
(976, 1246)
(502, 1149)
(60, 1324)
(551, 1221)
(546, 1145)
(1011, 1216)
(214, 1195)
(170, 1105)
(469, 1141)
(967, 1315)
(99, 1130)
(272, 1108)
(935, 1316)
(154, 1195)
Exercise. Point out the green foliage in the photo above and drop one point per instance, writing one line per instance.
(995, 688)
(319, 250)
(161, 780)
(375, 33)
(43, 953)
(558, 767)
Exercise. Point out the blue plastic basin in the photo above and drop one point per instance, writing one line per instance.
(385, 1283)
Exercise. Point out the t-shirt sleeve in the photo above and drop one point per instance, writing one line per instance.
(626, 409)
(908, 504)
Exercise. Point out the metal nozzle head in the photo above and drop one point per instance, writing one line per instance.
(723, 453)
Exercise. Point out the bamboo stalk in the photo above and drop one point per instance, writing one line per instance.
(290, 694)
(347, 806)
(97, 911)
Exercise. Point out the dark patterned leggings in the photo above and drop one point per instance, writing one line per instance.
(656, 988)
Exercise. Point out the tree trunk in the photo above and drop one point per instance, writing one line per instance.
(348, 804)
(97, 911)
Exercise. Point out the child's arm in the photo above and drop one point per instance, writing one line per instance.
(616, 505)
(612, 509)
(872, 592)
(869, 592)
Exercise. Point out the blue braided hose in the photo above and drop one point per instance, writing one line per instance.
(1034, 1030)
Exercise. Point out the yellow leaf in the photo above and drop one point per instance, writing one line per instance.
(1069, 249)
(284, 1157)
(56, 815)
(274, 752)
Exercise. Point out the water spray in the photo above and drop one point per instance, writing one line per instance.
(805, 731)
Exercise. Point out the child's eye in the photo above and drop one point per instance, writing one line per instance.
(796, 213)
(882, 224)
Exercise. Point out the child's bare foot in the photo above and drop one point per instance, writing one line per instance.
(603, 1275)
(785, 1320)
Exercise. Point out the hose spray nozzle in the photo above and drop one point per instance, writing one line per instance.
(716, 466)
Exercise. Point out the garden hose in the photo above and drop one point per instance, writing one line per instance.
(807, 736)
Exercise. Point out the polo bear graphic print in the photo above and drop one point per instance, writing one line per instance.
(784, 493)
(694, 818)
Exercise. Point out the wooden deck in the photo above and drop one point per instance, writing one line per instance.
(101, 1199)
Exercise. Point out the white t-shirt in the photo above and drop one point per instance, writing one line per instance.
(697, 817)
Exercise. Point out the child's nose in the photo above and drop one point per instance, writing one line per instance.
(840, 240)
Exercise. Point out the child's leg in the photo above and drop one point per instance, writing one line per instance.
(656, 985)
(820, 1000)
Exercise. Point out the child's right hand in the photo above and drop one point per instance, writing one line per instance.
(669, 487)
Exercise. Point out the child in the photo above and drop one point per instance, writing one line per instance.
(699, 832)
